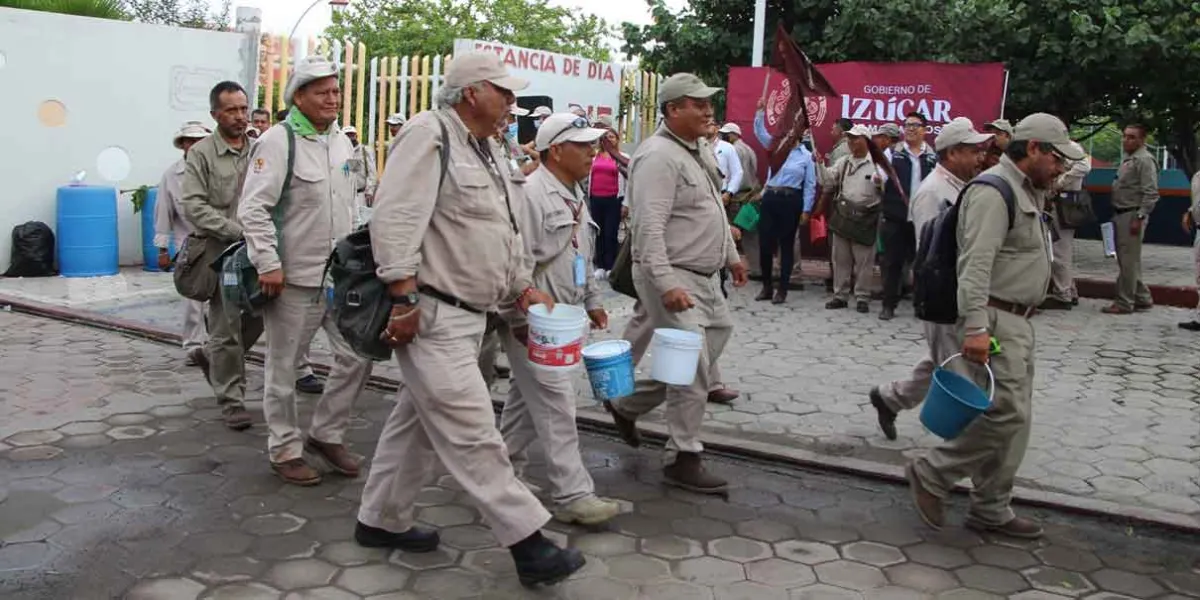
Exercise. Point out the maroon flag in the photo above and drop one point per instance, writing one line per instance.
(803, 80)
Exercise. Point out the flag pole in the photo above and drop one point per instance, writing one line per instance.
(766, 84)
(760, 26)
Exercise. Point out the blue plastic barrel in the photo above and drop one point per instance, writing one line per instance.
(953, 402)
(149, 250)
(86, 231)
(610, 369)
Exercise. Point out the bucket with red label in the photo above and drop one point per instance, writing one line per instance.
(556, 337)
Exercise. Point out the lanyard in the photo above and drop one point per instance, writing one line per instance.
(575, 213)
(489, 163)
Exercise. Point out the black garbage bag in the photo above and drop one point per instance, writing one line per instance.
(32, 251)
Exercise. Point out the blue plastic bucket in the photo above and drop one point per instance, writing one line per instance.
(953, 402)
(609, 367)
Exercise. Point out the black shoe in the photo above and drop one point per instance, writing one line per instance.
(887, 314)
(764, 295)
(1055, 304)
(887, 416)
(309, 384)
(416, 539)
(780, 297)
(540, 563)
(863, 307)
(1190, 326)
(1074, 301)
(626, 427)
(836, 304)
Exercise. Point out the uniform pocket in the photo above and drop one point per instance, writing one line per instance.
(307, 178)
(477, 195)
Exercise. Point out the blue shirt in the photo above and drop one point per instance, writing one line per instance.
(798, 171)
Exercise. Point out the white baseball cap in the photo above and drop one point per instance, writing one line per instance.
(859, 131)
(518, 111)
(349, 129)
(190, 130)
(730, 128)
(395, 119)
(542, 111)
(565, 127)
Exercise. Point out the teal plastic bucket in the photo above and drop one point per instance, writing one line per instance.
(609, 367)
(953, 401)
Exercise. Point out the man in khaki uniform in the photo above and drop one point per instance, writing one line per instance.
(362, 166)
(395, 122)
(960, 157)
(170, 227)
(1063, 295)
(1003, 273)
(289, 235)
(216, 166)
(855, 183)
(1002, 129)
(451, 228)
(560, 236)
(681, 239)
(1134, 194)
(1190, 219)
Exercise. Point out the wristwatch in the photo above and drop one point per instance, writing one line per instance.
(409, 299)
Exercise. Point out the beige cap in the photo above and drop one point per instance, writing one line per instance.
(565, 127)
(684, 85)
(1048, 129)
(999, 125)
(308, 71)
(517, 111)
(891, 130)
(190, 130)
(859, 131)
(475, 67)
(395, 119)
(959, 131)
(542, 111)
(604, 121)
(730, 128)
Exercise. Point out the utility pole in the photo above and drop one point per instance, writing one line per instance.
(760, 26)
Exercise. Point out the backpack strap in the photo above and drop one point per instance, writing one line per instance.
(285, 193)
(444, 152)
(1001, 185)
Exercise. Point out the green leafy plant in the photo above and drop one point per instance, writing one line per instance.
(100, 9)
(137, 196)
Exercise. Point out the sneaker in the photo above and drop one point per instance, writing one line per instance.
(589, 510)
(309, 384)
(688, 472)
(416, 539)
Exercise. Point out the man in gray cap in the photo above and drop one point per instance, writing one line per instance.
(216, 166)
(1003, 272)
(886, 137)
(446, 239)
(960, 157)
(1002, 129)
(362, 166)
(297, 202)
(681, 239)
(855, 184)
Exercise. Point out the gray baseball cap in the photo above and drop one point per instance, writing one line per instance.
(1048, 129)
(684, 85)
(475, 67)
(999, 125)
(959, 131)
(891, 130)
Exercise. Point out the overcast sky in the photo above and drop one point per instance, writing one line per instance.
(279, 16)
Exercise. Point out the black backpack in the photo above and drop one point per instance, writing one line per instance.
(361, 302)
(935, 270)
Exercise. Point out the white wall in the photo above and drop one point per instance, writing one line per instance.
(123, 85)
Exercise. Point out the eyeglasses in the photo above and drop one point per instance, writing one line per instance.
(913, 125)
(578, 123)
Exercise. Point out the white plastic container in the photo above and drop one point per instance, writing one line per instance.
(676, 356)
(556, 337)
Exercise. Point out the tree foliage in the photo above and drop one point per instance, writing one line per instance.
(429, 27)
(1120, 59)
(100, 9)
(194, 14)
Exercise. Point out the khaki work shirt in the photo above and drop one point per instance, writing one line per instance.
(858, 181)
(169, 224)
(678, 220)
(1077, 170)
(1136, 186)
(362, 165)
(749, 166)
(557, 227)
(318, 211)
(461, 240)
(212, 184)
(938, 192)
(994, 260)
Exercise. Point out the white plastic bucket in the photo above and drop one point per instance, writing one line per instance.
(556, 337)
(676, 356)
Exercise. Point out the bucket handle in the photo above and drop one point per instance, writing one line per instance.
(991, 376)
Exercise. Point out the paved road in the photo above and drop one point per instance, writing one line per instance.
(117, 480)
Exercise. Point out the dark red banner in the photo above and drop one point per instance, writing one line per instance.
(871, 94)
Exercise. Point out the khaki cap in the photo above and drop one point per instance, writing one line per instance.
(684, 85)
(1048, 129)
(959, 131)
(517, 111)
(542, 111)
(475, 67)
(395, 119)
(891, 130)
(190, 130)
(733, 128)
(561, 128)
(308, 71)
(999, 125)
(859, 131)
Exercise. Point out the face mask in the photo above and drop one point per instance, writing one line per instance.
(512, 130)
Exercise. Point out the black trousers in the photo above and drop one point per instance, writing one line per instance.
(606, 211)
(899, 247)
(780, 217)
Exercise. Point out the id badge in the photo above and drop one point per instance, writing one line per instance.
(580, 271)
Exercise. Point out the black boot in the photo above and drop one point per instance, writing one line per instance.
(764, 295)
(540, 563)
(688, 472)
(416, 539)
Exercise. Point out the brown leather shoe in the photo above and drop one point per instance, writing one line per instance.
(780, 297)
(1116, 309)
(340, 458)
(1019, 527)
(929, 507)
(237, 418)
(688, 472)
(296, 472)
(625, 426)
(723, 396)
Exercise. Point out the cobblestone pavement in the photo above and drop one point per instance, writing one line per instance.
(1116, 401)
(1161, 265)
(117, 480)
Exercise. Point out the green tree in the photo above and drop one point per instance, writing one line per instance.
(100, 9)
(429, 27)
(194, 14)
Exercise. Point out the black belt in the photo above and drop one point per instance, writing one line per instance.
(695, 272)
(1121, 211)
(782, 190)
(448, 299)
(1010, 307)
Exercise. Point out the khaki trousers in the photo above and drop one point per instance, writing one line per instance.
(685, 404)
(907, 394)
(444, 414)
(852, 264)
(1131, 291)
(541, 406)
(291, 320)
(229, 334)
(639, 333)
(489, 350)
(1062, 279)
(991, 448)
(195, 332)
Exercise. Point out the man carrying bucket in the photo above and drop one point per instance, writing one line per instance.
(560, 236)
(681, 239)
(1003, 275)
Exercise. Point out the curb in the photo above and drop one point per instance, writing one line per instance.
(716, 443)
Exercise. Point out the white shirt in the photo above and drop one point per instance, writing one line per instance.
(730, 164)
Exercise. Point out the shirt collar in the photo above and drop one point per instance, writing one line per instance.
(1010, 167)
(181, 166)
(302, 126)
(558, 187)
(223, 146)
(924, 149)
(950, 177)
(692, 145)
